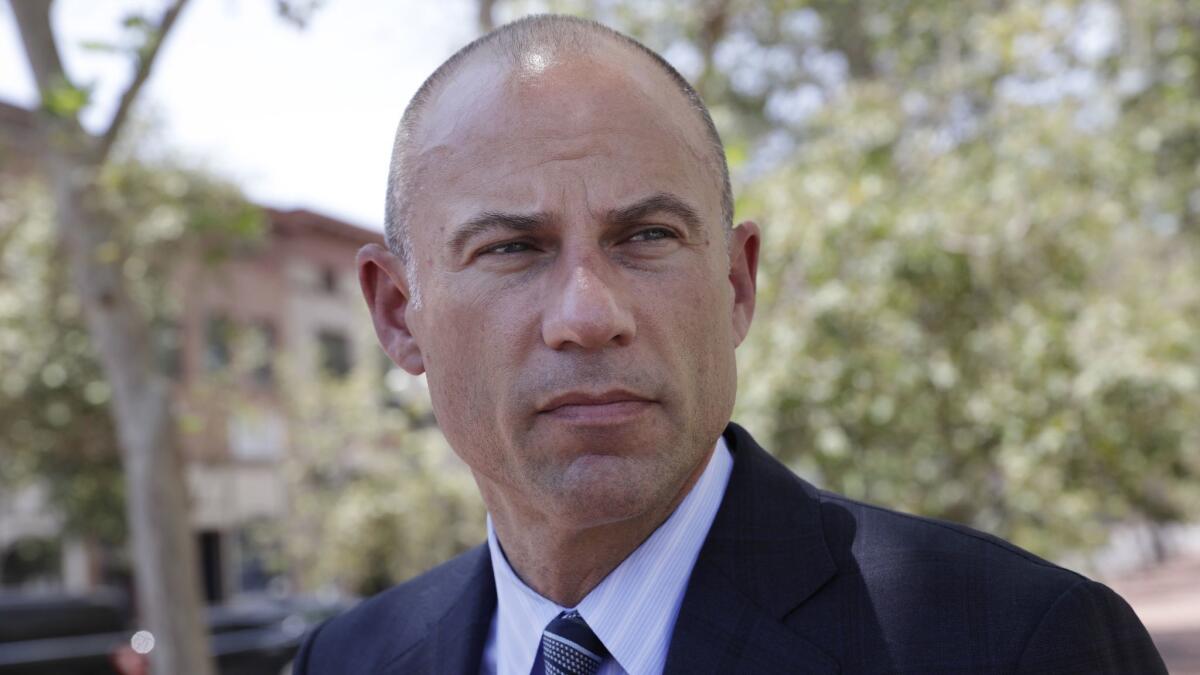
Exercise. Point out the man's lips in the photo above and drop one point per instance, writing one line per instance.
(605, 407)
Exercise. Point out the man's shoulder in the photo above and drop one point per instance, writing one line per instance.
(1024, 611)
(875, 533)
(875, 540)
(899, 557)
(886, 590)
(384, 626)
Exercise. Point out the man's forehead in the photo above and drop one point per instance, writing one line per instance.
(547, 90)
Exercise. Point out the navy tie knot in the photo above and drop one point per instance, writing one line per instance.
(569, 647)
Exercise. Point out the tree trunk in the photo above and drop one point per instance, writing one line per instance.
(164, 550)
(848, 35)
(485, 16)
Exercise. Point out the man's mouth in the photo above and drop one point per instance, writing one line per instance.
(607, 407)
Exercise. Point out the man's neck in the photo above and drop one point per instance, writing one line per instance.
(564, 564)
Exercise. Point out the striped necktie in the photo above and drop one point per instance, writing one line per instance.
(569, 647)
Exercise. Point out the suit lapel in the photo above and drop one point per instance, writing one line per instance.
(764, 556)
(455, 641)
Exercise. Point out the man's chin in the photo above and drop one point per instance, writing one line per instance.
(599, 489)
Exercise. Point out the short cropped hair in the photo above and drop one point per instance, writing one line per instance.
(511, 41)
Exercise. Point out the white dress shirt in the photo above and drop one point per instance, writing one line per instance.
(633, 610)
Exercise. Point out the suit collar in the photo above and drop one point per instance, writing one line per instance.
(455, 641)
(764, 556)
(768, 535)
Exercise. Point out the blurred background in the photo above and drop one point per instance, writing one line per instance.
(979, 296)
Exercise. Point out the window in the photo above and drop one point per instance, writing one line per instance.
(168, 354)
(261, 552)
(31, 561)
(261, 343)
(218, 339)
(212, 565)
(329, 280)
(256, 434)
(334, 353)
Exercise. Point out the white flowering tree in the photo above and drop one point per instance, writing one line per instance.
(979, 283)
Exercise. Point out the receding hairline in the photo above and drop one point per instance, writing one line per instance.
(556, 33)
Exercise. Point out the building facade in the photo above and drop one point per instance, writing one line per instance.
(290, 302)
(288, 299)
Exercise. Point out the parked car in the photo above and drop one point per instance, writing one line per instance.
(82, 635)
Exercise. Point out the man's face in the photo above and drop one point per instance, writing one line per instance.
(578, 312)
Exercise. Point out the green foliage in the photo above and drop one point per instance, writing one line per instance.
(55, 425)
(982, 314)
(65, 100)
(974, 335)
(173, 212)
(374, 501)
(378, 496)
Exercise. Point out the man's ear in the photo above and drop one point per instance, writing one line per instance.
(385, 288)
(744, 242)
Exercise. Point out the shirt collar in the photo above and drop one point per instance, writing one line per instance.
(633, 610)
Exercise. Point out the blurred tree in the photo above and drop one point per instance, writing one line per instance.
(120, 333)
(377, 495)
(980, 269)
(980, 334)
(55, 426)
(984, 276)
(156, 495)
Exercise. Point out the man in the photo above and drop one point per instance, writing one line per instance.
(562, 266)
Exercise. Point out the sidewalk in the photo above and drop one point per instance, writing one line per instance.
(1167, 599)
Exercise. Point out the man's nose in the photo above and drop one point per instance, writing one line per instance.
(587, 311)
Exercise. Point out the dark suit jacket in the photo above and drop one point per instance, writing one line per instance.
(792, 579)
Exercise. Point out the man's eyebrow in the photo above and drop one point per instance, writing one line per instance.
(660, 202)
(494, 220)
(638, 212)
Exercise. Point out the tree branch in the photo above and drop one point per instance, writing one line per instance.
(485, 17)
(41, 48)
(145, 62)
(713, 27)
(33, 22)
(848, 35)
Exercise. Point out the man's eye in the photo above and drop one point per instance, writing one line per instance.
(506, 248)
(653, 234)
